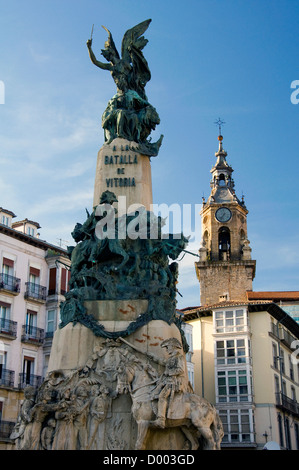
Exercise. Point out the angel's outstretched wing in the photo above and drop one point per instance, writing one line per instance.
(110, 48)
(132, 37)
(131, 49)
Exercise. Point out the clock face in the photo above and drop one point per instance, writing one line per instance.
(223, 214)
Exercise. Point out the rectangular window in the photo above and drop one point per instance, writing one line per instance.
(284, 387)
(5, 311)
(50, 327)
(52, 281)
(31, 322)
(276, 384)
(34, 282)
(7, 270)
(28, 370)
(237, 425)
(30, 231)
(291, 367)
(232, 351)
(2, 363)
(230, 321)
(63, 281)
(233, 386)
(275, 356)
(280, 430)
(282, 363)
(34, 275)
(9, 263)
(5, 220)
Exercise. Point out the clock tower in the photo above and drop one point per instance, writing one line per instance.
(225, 269)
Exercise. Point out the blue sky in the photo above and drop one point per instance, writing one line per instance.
(233, 59)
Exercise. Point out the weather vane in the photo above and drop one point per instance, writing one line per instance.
(219, 123)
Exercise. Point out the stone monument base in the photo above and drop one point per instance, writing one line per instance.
(117, 391)
(75, 347)
(73, 344)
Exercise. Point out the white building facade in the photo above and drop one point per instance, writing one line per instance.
(33, 281)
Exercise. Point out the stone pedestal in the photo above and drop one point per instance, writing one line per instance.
(125, 172)
(74, 344)
(75, 347)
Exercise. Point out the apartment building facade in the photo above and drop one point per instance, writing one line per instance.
(246, 362)
(33, 281)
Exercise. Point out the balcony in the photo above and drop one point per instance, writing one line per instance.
(35, 292)
(26, 380)
(10, 284)
(8, 328)
(7, 377)
(285, 337)
(32, 335)
(287, 404)
(6, 428)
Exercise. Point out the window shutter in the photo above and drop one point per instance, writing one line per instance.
(63, 281)
(31, 312)
(52, 281)
(8, 262)
(34, 271)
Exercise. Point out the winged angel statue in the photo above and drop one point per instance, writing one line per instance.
(129, 115)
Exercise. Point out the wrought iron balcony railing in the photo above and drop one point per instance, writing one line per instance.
(10, 283)
(29, 379)
(283, 401)
(49, 334)
(7, 377)
(35, 291)
(32, 334)
(8, 327)
(282, 334)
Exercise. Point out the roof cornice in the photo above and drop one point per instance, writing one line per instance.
(193, 313)
(23, 237)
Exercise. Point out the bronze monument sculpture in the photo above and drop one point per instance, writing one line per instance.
(129, 114)
(117, 377)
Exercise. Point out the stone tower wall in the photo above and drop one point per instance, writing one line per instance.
(228, 279)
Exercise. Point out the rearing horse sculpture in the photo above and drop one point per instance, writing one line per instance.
(199, 420)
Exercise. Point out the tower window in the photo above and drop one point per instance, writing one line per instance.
(224, 244)
(222, 180)
(205, 239)
(242, 234)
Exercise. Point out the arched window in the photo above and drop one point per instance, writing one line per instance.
(224, 243)
(206, 239)
(222, 180)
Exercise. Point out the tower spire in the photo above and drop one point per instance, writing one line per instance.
(220, 123)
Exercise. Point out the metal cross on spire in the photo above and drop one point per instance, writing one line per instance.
(219, 123)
